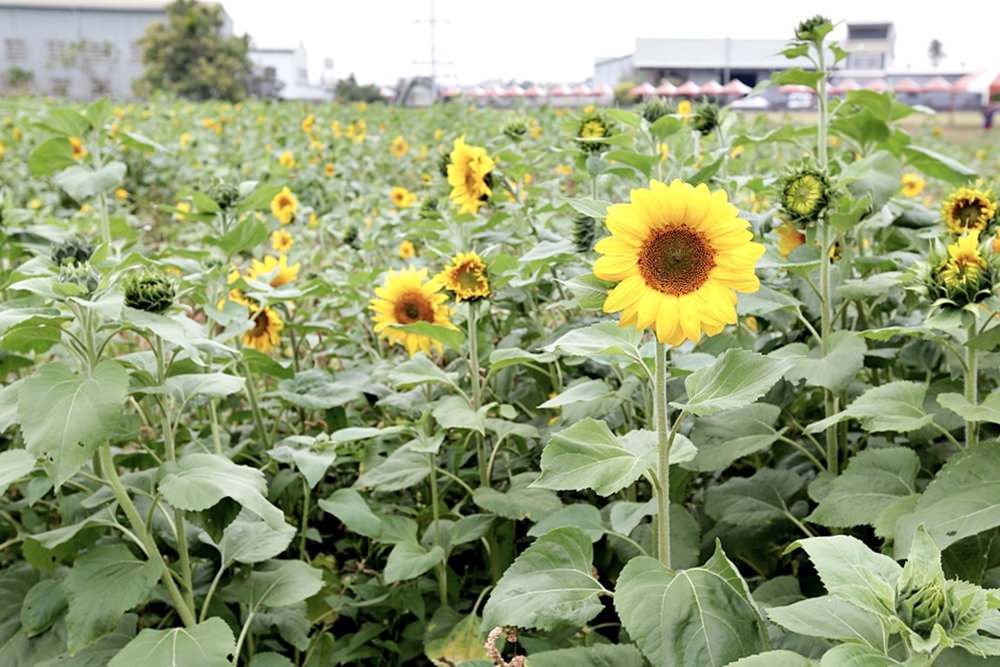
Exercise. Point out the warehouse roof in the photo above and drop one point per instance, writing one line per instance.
(713, 53)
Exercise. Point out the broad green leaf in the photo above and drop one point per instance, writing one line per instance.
(599, 655)
(402, 469)
(775, 659)
(447, 336)
(199, 481)
(102, 585)
(595, 208)
(759, 500)
(875, 176)
(832, 618)
(736, 379)
(278, 583)
(348, 506)
(242, 237)
(14, 464)
(418, 370)
(455, 412)
(249, 539)
(699, 617)
(584, 516)
(102, 651)
(720, 444)
(269, 659)
(549, 586)
(857, 655)
(312, 455)
(452, 639)
(82, 182)
(65, 416)
(259, 197)
(962, 500)
(185, 387)
(50, 156)
(896, 406)
(409, 560)
(987, 411)
(605, 341)
(586, 391)
(854, 573)
(513, 356)
(517, 503)
(208, 644)
(873, 481)
(42, 606)
(843, 361)
(936, 165)
(316, 389)
(640, 162)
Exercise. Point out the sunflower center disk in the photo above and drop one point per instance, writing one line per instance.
(969, 214)
(676, 260)
(413, 308)
(260, 324)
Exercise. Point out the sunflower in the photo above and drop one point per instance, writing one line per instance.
(329, 169)
(77, 147)
(121, 194)
(804, 195)
(287, 159)
(267, 324)
(684, 108)
(964, 263)
(399, 147)
(466, 277)
(308, 122)
(789, 238)
(679, 255)
(407, 297)
(283, 205)
(912, 185)
(593, 130)
(407, 250)
(469, 175)
(402, 198)
(276, 269)
(182, 208)
(969, 209)
(281, 241)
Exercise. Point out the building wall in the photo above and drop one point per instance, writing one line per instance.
(74, 53)
(291, 69)
(611, 71)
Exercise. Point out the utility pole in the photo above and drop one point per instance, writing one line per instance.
(432, 22)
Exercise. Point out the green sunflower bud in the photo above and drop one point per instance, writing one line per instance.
(429, 209)
(706, 118)
(654, 109)
(584, 228)
(964, 609)
(225, 195)
(351, 237)
(150, 291)
(594, 128)
(813, 29)
(805, 195)
(515, 130)
(73, 251)
(444, 160)
(78, 279)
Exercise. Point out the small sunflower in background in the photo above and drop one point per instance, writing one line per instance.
(679, 255)
(402, 198)
(267, 325)
(77, 148)
(684, 108)
(593, 131)
(274, 270)
(789, 238)
(470, 176)
(121, 194)
(408, 297)
(399, 147)
(287, 159)
(466, 277)
(407, 250)
(969, 209)
(329, 169)
(308, 122)
(182, 208)
(281, 241)
(284, 205)
(912, 185)
(805, 194)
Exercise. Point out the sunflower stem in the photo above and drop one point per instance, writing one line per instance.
(971, 385)
(477, 391)
(663, 443)
(442, 571)
(258, 419)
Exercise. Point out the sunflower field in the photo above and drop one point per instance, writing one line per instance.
(290, 385)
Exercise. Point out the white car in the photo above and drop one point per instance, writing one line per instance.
(800, 100)
(754, 102)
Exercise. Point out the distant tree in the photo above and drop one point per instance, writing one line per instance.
(623, 94)
(349, 90)
(189, 55)
(936, 52)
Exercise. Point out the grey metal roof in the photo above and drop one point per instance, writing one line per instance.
(713, 53)
(99, 5)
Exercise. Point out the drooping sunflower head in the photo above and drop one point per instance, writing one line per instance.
(351, 237)
(407, 250)
(274, 270)
(399, 147)
(466, 277)
(911, 184)
(706, 118)
(150, 291)
(469, 174)
(263, 336)
(515, 129)
(805, 194)
(969, 209)
(284, 205)
(72, 251)
(963, 275)
(408, 297)
(813, 29)
(789, 238)
(281, 241)
(679, 255)
(402, 198)
(653, 109)
(77, 148)
(584, 233)
(593, 132)
(429, 209)
(81, 278)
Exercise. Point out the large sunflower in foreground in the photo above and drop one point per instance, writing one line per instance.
(679, 255)
(969, 209)
(408, 297)
(469, 176)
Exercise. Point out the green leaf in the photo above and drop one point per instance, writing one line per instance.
(797, 76)
(549, 586)
(279, 583)
(844, 359)
(664, 126)
(605, 340)
(759, 500)
(937, 165)
(243, 236)
(447, 336)
(599, 655)
(987, 411)
(453, 639)
(857, 655)
(584, 516)
(409, 560)
(583, 392)
(14, 464)
(50, 156)
(311, 455)
(42, 606)
(775, 659)
(699, 617)
(518, 502)
(876, 175)
(66, 121)
(595, 208)
(419, 370)
(249, 539)
(258, 198)
(199, 481)
(831, 618)
(854, 573)
(896, 406)
(455, 412)
(962, 500)
(642, 163)
(186, 386)
(872, 482)
(719, 445)
(403, 468)
(103, 584)
(736, 379)
(208, 644)
(348, 506)
(98, 654)
(82, 182)
(65, 416)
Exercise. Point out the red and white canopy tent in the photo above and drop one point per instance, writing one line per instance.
(645, 89)
(985, 84)
(534, 91)
(561, 90)
(603, 91)
(936, 85)
(666, 89)
(844, 87)
(514, 91)
(582, 90)
(689, 89)
(736, 88)
(711, 88)
(878, 85)
(790, 88)
(907, 86)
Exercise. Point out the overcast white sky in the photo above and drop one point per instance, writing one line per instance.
(558, 40)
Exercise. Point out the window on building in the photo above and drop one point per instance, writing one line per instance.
(17, 50)
(100, 87)
(302, 73)
(866, 60)
(60, 53)
(60, 87)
